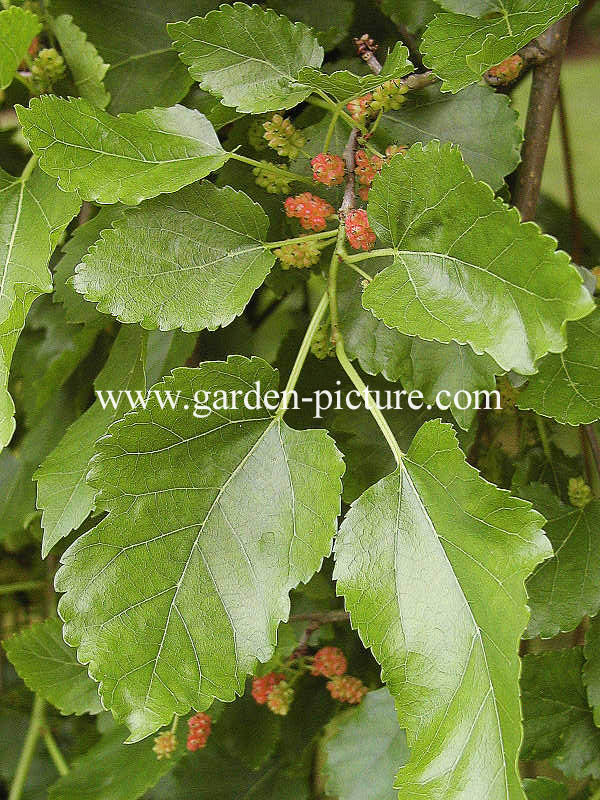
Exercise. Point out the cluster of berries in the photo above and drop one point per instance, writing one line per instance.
(313, 212)
(366, 167)
(273, 691)
(358, 231)
(507, 71)
(199, 730)
(47, 69)
(321, 346)
(328, 169)
(164, 745)
(282, 136)
(580, 494)
(389, 96)
(271, 181)
(298, 254)
(331, 663)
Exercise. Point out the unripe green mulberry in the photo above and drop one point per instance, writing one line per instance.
(388, 97)
(283, 137)
(47, 69)
(256, 135)
(298, 254)
(271, 181)
(280, 698)
(580, 493)
(321, 345)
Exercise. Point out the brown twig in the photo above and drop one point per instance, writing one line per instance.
(349, 156)
(366, 47)
(577, 243)
(590, 434)
(316, 620)
(544, 93)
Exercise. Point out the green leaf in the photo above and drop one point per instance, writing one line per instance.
(191, 260)
(50, 668)
(567, 386)
(431, 562)
(33, 216)
(77, 309)
(362, 750)
(591, 669)
(566, 587)
(332, 28)
(465, 268)
(165, 351)
(412, 14)
(211, 522)
(17, 29)
(545, 789)
(86, 66)
(428, 367)
(344, 85)
(557, 720)
(248, 56)
(144, 70)
(63, 495)
(126, 158)
(478, 120)
(112, 770)
(460, 48)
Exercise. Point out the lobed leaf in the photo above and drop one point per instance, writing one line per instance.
(178, 591)
(63, 496)
(33, 215)
(50, 668)
(86, 66)
(128, 158)
(191, 260)
(434, 542)
(567, 386)
(459, 48)
(248, 56)
(465, 268)
(17, 28)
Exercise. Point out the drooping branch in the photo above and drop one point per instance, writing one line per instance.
(544, 93)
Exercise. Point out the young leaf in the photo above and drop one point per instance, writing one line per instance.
(478, 120)
(77, 309)
(557, 720)
(86, 66)
(344, 85)
(363, 749)
(191, 260)
(465, 268)
(126, 158)
(144, 70)
(591, 669)
(17, 29)
(173, 597)
(33, 216)
(63, 495)
(545, 789)
(431, 562)
(460, 48)
(248, 56)
(566, 587)
(567, 386)
(111, 770)
(50, 668)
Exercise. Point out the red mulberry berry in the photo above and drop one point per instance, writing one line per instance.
(358, 230)
(347, 689)
(164, 745)
(199, 730)
(280, 698)
(310, 210)
(329, 661)
(507, 71)
(328, 169)
(261, 687)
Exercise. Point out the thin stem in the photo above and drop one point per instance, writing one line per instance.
(322, 617)
(577, 245)
(369, 404)
(54, 751)
(292, 176)
(174, 724)
(544, 92)
(384, 251)
(333, 108)
(541, 426)
(334, 118)
(352, 266)
(28, 749)
(302, 353)
(332, 285)
(21, 586)
(299, 239)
